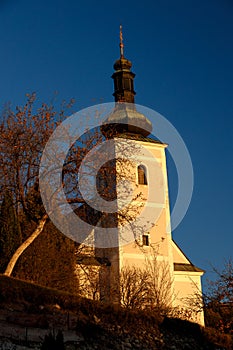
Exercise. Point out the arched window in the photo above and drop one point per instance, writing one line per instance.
(142, 178)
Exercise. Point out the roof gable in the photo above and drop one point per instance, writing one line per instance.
(178, 255)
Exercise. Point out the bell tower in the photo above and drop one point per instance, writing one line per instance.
(150, 248)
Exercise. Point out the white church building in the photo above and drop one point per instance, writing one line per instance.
(152, 250)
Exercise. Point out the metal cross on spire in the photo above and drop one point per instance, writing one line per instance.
(121, 43)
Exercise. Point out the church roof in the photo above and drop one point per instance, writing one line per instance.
(187, 267)
(84, 259)
(126, 117)
(138, 137)
(181, 261)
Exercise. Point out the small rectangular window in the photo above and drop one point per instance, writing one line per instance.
(145, 240)
(142, 176)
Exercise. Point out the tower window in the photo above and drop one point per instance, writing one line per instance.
(142, 178)
(145, 240)
(126, 84)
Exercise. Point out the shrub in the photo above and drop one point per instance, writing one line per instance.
(51, 342)
(217, 338)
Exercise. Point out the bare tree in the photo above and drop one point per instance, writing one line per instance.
(149, 286)
(160, 285)
(218, 300)
(89, 281)
(134, 283)
(24, 134)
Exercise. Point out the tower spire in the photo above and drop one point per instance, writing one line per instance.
(125, 117)
(121, 43)
(123, 77)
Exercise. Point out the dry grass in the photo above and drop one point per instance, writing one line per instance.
(92, 315)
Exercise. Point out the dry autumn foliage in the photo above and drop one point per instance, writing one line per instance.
(24, 133)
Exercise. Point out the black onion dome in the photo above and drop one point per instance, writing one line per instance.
(125, 118)
(122, 63)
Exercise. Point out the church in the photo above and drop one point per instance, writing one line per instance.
(108, 272)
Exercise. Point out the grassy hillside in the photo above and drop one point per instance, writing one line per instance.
(105, 326)
(13, 289)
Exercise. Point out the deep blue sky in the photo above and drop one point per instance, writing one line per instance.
(182, 54)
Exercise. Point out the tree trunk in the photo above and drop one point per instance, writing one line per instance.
(24, 245)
